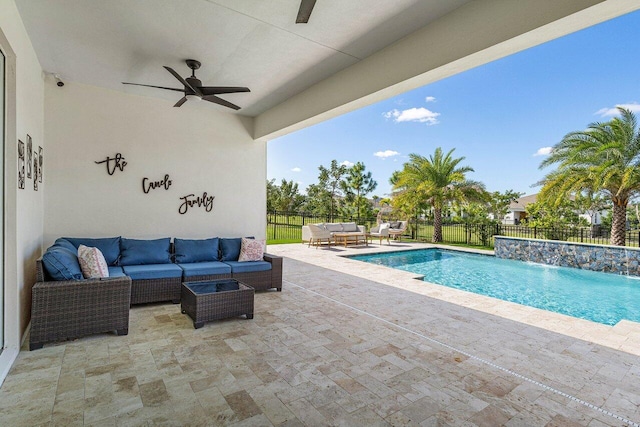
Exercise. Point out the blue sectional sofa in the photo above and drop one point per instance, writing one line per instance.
(67, 306)
(158, 267)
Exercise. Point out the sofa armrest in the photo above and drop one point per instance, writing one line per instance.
(276, 270)
(362, 228)
(306, 233)
(75, 308)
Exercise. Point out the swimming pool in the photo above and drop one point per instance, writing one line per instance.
(599, 297)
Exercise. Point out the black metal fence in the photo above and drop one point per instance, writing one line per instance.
(287, 226)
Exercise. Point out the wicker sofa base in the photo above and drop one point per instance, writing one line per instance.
(66, 310)
(155, 290)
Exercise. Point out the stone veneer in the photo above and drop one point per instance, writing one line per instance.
(610, 259)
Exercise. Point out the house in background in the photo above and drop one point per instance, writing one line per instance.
(518, 209)
(518, 212)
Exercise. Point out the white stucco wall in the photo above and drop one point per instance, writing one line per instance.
(23, 208)
(201, 149)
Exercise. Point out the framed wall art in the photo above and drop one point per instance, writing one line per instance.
(35, 172)
(29, 156)
(20, 165)
(40, 161)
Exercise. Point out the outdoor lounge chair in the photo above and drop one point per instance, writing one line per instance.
(381, 232)
(397, 229)
(318, 235)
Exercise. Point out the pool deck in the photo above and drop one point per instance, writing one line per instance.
(344, 344)
(592, 362)
(625, 335)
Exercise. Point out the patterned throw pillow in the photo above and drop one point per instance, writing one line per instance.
(251, 250)
(92, 263)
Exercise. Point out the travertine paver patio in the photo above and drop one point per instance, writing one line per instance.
(345, 343)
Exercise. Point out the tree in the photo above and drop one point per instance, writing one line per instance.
(323, 197)
(288, 197)
(554, 218)
(498, 204)
(604, 158)
(356, 185)
(435, 181)
(273, 192)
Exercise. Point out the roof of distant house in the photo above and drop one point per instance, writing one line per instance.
(521, 203)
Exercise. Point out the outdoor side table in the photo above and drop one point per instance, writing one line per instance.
(216, 299)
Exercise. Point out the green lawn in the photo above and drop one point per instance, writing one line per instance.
(289, 230)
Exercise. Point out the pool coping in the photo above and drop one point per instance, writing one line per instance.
(624, 336)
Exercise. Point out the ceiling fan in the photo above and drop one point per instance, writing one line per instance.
(306, 7)
(193, 89)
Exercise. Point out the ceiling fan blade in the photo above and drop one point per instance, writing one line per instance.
(158, 87)
(216, 90)
(182, 101)
(220, 101)
(183, 81)
(306, 7)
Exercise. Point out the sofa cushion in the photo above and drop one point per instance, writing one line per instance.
(334, 228)
(248, 267)
(109, 246)
(62, 242)
(251, 250)
(92, 263)
(141, 252)
(152, 271)
(204, 268)
(61, 264)
(349, 226)
(187, 251)
(116, 271)
(230, 248)
(395, 224)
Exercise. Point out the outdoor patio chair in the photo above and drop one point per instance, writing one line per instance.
(318, 235)
(399, 229)
(381, 232)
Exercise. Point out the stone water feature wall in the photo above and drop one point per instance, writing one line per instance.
(610, 259)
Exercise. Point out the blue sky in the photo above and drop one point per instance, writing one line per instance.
(499, 116)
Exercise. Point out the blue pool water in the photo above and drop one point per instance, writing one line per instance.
(599, 297)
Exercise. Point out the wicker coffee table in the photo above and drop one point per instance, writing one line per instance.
(216, 299)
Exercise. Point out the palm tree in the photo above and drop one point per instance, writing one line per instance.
(604, 158)
(435, 181)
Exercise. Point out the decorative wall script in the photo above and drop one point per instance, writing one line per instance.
(114, 163)
(152, 185)
(191, 200)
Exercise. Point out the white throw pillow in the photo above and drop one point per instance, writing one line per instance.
(92, 263)
(251, 250)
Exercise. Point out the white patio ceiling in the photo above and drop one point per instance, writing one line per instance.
(350, 54)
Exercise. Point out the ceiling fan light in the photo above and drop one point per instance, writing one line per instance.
(193, 97)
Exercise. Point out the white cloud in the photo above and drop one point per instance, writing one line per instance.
(386, 153)
(430, 99)
(544, 151)
(421, 115)
(608, 112)
(346, 163)
(296, 169)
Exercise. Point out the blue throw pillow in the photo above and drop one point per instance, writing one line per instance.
(139, 252)
(187, 251)
(61, 264)
(231, 248)
(109, 246)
